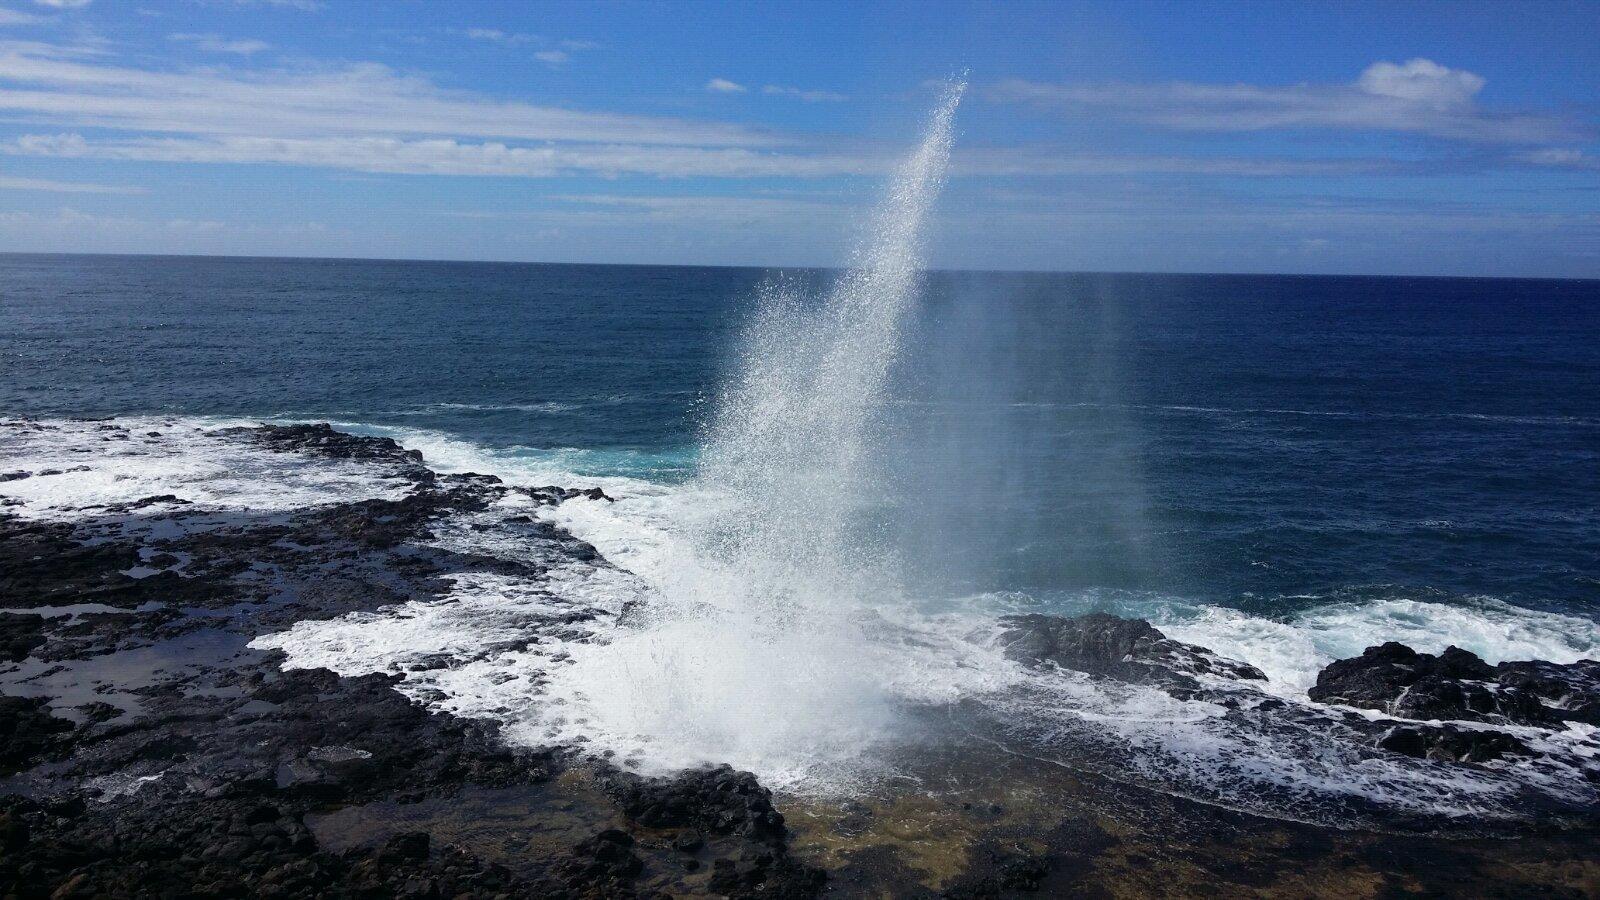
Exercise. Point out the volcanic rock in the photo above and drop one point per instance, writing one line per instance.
(1458, 685)
(321, 439)
(1110, 646)
(717, 799)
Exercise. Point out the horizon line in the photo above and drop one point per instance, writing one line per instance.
(813, 268)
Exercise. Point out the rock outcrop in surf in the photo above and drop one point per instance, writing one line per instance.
(1130, 650)
(1458, 685)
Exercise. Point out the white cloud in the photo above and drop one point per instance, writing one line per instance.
(1419, 96)
(1024, 161)
(712, 210)
(212, 43)
(807, 96)
(1562, 158)
(298, 5)
(1422, 80)
(63, 4)
(495, 35)
(554, 54)
(8, 183)
(449, 157)
(724, 86)
(14, 17)
(46, 85)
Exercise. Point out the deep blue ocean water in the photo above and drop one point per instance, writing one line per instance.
(1260, 442)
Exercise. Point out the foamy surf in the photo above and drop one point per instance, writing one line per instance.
(76, 466)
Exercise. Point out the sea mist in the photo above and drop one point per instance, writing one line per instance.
(758, 647)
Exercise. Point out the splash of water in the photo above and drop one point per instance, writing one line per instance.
(792, 432)
(757, 649)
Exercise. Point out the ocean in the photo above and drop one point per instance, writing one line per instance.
(1285, 469)
(1268, 443)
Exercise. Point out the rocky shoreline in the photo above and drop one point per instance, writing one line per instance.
(148, 750)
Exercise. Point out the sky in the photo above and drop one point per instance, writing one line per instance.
(1381, 138)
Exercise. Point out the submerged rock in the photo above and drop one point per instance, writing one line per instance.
(1458, 685)
(1110, 646)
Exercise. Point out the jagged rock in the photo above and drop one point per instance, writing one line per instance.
(44, 565)
(322, 440)
(551, 494)
(718, 799)
(1110, 646)
(605, 862)
(1457, 684)
(1570, 692)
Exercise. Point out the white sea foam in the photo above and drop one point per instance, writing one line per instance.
(103, 463)
(1293, 650)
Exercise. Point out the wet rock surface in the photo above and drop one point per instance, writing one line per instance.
(1451, 744)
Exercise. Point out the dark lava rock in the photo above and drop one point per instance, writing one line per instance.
(1110, 646)
(19, 634)
(1451, 744)
(721, 801)
(550, 494)
(1570, 692)
(765, 873)
(223, 848)
(1459, 685)
(43, 564)
(143, 502)
(717, 799)
(996, 873)
(605, 862)
(29, 734)
(322, 440)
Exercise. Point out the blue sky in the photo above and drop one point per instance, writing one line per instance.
(1435, 139)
